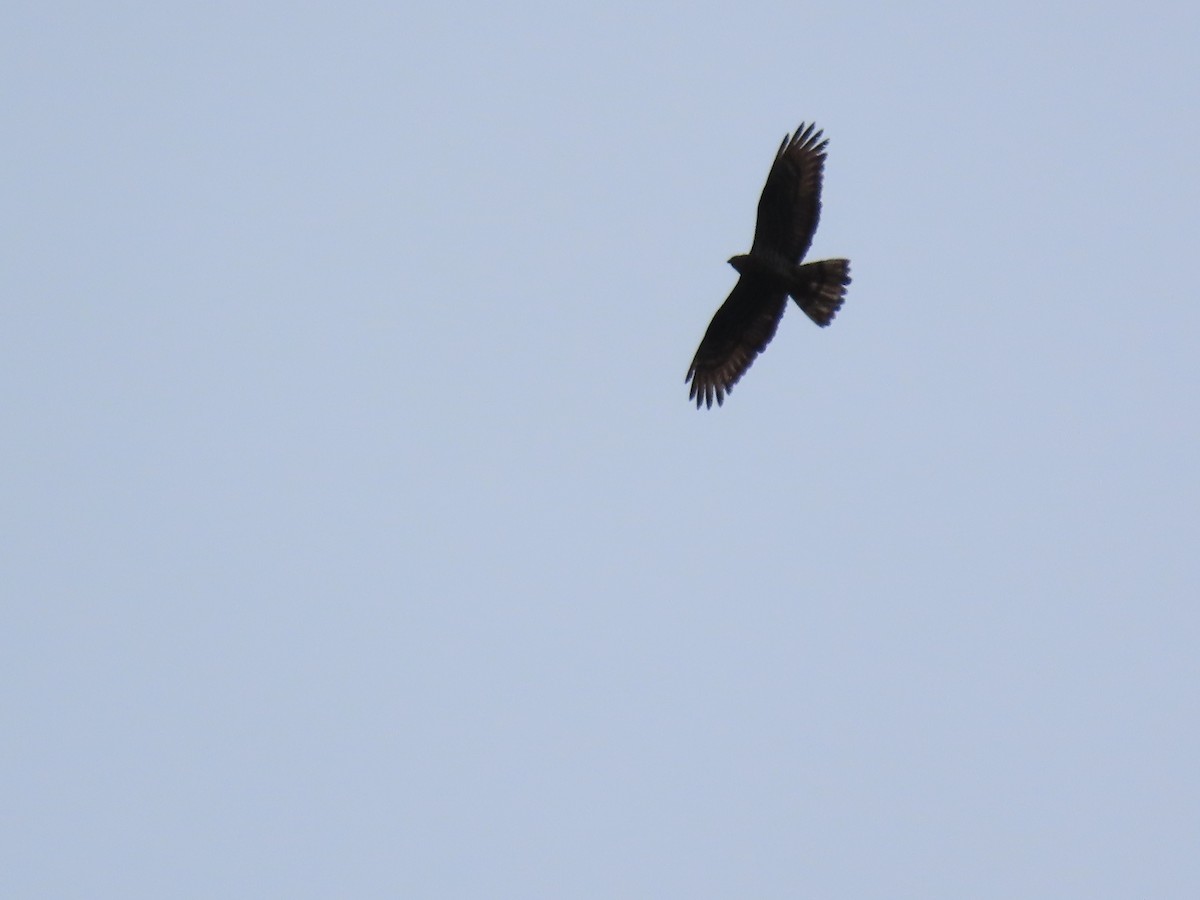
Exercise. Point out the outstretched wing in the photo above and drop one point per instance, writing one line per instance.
(740, 330)
(790, 205)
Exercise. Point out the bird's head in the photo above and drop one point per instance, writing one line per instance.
(740, 262)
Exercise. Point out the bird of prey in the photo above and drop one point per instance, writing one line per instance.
(771, 272)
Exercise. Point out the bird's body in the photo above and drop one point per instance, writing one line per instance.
(788, 212)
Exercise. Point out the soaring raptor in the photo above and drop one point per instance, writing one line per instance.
(771, 272)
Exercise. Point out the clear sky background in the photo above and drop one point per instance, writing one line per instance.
(359, 539)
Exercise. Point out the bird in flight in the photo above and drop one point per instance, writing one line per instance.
(771, 272)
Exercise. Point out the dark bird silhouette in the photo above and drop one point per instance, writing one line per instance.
(788, 211)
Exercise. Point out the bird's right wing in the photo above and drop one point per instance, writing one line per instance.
(740, 330)
(790, 205)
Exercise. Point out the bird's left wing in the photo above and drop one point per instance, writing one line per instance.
(790, 205)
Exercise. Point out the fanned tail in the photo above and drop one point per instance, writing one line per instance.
(820, 288)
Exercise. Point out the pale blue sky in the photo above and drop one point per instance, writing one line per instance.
(359, 539)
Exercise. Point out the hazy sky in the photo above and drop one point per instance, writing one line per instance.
(359, 539)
